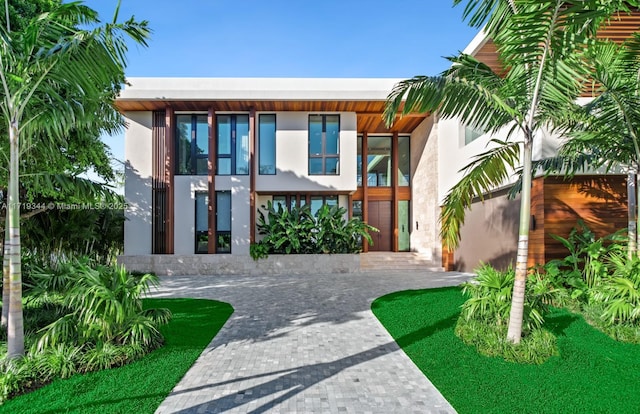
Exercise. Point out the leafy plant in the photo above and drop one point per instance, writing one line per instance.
(106, 307)
(587, 263)
(300, 232)
(620, 294)
(489, 298)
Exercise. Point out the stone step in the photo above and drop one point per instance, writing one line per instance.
(397, 261)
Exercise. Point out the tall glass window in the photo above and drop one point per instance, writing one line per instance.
(192, 144)
(267, 144)
(379, 161)
(324, 144)
(404, 161)
(357, 209)
(202, 222)
(223, 221)
(404, 232)
(359, 162)
(232, 144)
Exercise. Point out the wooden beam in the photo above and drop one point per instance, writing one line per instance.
(394, 191)
(365, 187)
(169, 169)
(379, 114)
(211, 182)
(252, 175)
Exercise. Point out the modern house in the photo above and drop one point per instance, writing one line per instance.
(204, 154)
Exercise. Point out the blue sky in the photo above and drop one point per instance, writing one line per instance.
(279, 38)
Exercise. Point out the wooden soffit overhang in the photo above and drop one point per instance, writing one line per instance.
(619, 28)
(368, 113)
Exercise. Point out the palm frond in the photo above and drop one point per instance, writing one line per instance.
(484, 174)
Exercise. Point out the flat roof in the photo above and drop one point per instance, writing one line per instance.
(356, 89)
(364, 96)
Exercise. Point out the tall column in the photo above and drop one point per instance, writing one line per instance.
(394, 191)
(211, 182)
(252, 175)
(365, 186)
(170, 171)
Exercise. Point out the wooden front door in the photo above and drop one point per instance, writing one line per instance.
(380, 217)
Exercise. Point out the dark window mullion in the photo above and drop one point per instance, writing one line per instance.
(194, 152)
(324, 144)
(234, 124)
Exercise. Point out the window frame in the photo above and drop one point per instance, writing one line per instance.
(197, 232)
(193, 145)
(233, 155)
(471, 134)
(323, 156)
(218, 232)
(275, 131)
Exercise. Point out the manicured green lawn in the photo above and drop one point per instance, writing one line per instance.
(141, 386)
(592, 374)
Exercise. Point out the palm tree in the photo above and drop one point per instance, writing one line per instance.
(605, 133)
(541, 43)
(52, 75)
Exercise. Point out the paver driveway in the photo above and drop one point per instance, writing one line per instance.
(304, 344)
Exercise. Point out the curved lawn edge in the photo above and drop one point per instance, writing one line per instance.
(591, 374)
(141, 386)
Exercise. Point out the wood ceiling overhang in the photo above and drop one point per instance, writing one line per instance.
(619, 28)
(369, 113)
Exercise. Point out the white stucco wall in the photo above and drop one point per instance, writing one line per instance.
(138, 172)
(292, 157)
(454, 155)
(184, 224)
(240, 210)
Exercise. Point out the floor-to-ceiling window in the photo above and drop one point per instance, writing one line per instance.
(404, 161)
(383, 196)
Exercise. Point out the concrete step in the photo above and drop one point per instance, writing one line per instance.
(374, 261)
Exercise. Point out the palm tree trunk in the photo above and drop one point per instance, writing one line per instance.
(632, 207)
(514, 332)
(15, 340)
(5, 275)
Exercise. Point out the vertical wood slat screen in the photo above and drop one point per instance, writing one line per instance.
(159, 184)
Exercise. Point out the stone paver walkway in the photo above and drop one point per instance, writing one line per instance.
(304, 344)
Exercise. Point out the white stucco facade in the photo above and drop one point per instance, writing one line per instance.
(292, 156)
(137, 148)
(214, 98)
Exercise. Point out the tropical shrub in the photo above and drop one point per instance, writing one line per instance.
(489, 298)
(619, 295)
(61, 234)
(81, 317)
(586, 263)
(604, 280)
(484, 316)
(300, 232)
(106, 304)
